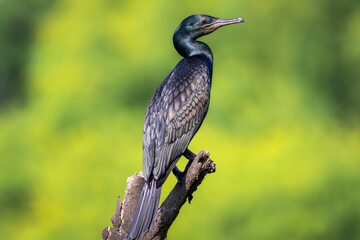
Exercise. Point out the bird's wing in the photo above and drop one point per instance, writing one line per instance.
(177, 111)
(149, 137)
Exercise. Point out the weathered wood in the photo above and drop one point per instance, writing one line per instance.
(169, 209)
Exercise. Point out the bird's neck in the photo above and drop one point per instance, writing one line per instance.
(189, 47)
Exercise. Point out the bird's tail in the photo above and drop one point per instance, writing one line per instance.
(146, 210)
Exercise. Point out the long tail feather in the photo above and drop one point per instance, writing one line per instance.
(146, 210)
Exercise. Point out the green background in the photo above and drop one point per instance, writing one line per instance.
(283, 125)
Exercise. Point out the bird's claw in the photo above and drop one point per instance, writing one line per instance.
(181, 177)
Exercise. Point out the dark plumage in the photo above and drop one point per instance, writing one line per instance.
(175, 113)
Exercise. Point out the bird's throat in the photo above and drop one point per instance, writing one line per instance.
(188, 47)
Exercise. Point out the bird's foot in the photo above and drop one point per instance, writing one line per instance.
(180, 176)
(189, 154)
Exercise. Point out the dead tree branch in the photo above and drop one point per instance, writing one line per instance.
(168, 210)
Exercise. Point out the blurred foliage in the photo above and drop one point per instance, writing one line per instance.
(283, 125)
(17, 22)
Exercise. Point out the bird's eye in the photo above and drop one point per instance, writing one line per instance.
(208, 20)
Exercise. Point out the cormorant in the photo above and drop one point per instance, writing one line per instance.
(175, 113)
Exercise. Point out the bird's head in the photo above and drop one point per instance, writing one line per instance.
(199, 25)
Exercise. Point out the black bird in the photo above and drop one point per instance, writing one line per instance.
(175, 113)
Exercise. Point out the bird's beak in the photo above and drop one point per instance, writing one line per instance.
(221, 22)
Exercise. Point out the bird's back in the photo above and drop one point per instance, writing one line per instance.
(174, 115)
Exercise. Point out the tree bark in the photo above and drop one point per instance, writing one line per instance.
(169, 209)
